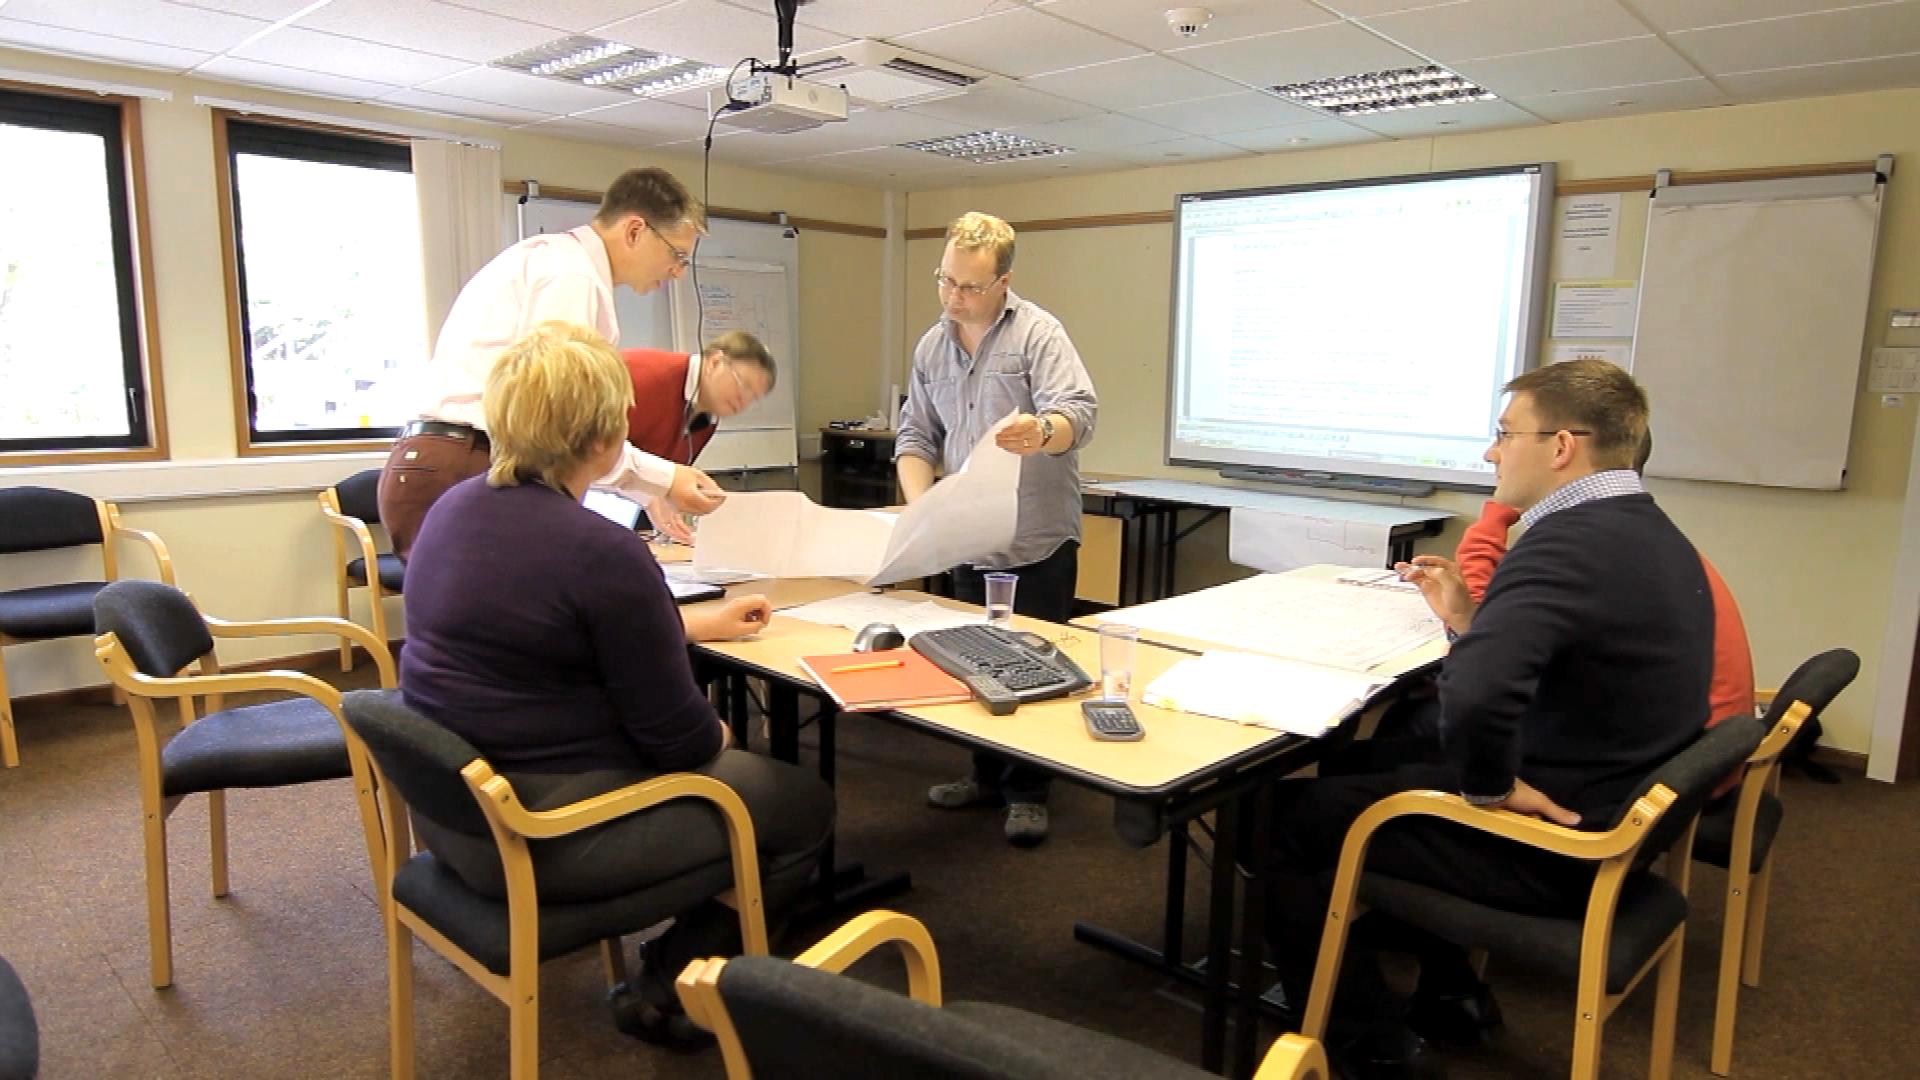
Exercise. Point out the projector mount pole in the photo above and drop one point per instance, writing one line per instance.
(783, 13)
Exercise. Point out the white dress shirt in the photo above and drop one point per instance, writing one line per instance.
(564, 276)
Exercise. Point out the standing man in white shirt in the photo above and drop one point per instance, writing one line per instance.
(643, 235)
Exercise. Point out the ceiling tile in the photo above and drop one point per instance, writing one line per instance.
(578, 16)
(1002, 104)
(1082, 163)
(153, 21)
(1360, 9)
(1144, 22)
(1248, 110)
(1581, 67)
(1101, 131)
(1018, 42)
(891, 161)
(1309, 136)
(1133, 83)
(866, 130)
(1817, 80)
(448, 105)
(1480, 28)
(885, 18)
(92, 46)
(1692, 14)
(280, 76)
(1317, 52)
(569, 128)
(1624, 100)
(712, 31)
(1176, 152)
(1445, 119)
(1848, 34)
(521, 91)
(669, 121)
(436, 28)
(347, 57)
(270, 10)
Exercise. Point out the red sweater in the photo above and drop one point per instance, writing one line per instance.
(657, 422)
(1731, 692)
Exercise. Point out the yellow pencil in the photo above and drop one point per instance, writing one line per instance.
(875, 666)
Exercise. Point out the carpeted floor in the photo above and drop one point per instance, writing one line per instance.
(285, 977)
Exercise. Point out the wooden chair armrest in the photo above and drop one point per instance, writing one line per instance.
(1763, 697)
(868, 931)
(120, 669)
(1294, 1057)
(360, 635)
(1779, 735)
(1589, 846)
(358, 529)
(155, 545)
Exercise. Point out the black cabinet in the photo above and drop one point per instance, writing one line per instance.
(856, 469)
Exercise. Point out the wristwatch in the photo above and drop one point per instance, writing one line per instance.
(1046, 431)
(1488, 800)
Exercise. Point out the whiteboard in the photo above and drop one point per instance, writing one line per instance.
(1753, 312)
(763, 436)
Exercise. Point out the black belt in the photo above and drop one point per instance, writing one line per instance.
(450, 430)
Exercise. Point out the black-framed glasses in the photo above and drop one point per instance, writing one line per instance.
(1501, 434)
(941, 280)
(684, 258)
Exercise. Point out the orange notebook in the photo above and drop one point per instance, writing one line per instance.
(893, 679)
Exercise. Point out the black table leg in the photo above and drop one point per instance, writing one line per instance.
(1251, 976)
(1213, 1021)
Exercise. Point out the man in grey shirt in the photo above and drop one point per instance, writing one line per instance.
(992, 354)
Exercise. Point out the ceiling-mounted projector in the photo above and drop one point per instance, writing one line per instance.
(778, 104)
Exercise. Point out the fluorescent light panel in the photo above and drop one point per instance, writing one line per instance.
(1384, 91)
(987, 147)
(610, 65)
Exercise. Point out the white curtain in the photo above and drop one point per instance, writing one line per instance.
(459, 191)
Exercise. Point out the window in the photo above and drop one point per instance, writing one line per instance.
(325, 257)
(70, 330)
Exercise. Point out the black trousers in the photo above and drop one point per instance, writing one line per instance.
(1045, 591)
(681, 846)
(1311, 818)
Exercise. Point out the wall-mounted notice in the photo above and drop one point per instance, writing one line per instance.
(1588, 237)
(1618, 355)
(1595, 309)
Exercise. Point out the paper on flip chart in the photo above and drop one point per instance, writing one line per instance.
(968, 515)
(1286, 695)
(856, 610)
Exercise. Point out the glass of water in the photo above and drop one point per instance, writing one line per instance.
(1000, 599)
(1116, 660)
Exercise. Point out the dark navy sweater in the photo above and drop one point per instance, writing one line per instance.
(545, 635)
(1588, 662)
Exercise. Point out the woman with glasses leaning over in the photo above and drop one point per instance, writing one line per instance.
(545, 635)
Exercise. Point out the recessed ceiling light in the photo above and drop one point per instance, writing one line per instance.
(1298, 140)
(1623, 103)
(1383, 91)
(987, 147)
(611, 65)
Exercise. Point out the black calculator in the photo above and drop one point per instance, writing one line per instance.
(1111, 721)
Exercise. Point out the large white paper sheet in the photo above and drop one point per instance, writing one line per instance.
(1286, 695)
(968, 515)
(1276, 541)
(856, 610)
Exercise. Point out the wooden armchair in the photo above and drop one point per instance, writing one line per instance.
(45, 519)
(406, 764)
(1634, 921)
(149, 634)
(350, 506)
(777, 1018)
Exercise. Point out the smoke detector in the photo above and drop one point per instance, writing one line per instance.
(1188, 21)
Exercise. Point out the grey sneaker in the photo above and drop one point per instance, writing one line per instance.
(960, 794)
(1026, 823)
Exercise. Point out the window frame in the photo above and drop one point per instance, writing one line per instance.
(235, 133)
(116, 118)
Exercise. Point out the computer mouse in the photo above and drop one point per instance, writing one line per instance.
(877, 637)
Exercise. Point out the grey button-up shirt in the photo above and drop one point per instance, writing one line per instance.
(1025, 363)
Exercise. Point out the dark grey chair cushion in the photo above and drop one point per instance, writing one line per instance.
(393, 572)
(1649, 910)
(49, 611)
(1713, 844)
(359, 495)
(792, 1019)
(40, 519)
(158, 624)
(19, 1034)
(420, 758)
(270, 745)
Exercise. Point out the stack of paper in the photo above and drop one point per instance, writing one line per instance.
(856, 610)
(1286, 695)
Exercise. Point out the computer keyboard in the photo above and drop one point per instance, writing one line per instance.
(1026, 664)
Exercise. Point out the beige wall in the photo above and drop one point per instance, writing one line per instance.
(1811, 569)
(265, 556)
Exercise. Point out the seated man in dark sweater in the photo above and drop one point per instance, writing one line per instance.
(545, 635)
(1585, 666)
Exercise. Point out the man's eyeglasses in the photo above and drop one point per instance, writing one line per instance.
(1501, 435)
(684, 258)
(969, 290)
